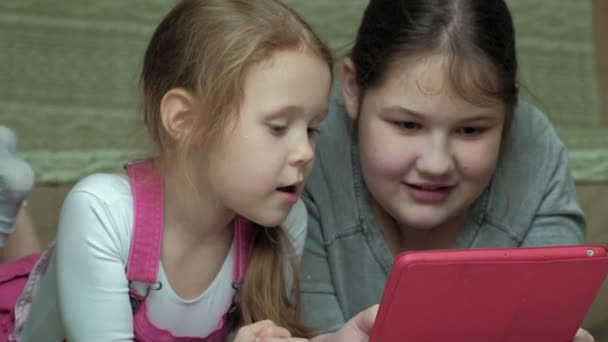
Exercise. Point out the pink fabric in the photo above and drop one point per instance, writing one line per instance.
(13, 277)
(144, 257)
(147, 189)
(142, 266)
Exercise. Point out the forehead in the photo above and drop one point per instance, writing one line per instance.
(438, 77)
(287, 78)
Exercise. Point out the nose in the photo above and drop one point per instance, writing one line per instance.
(302, 153)
(436, 160)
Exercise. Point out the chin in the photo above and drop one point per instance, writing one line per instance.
(423, 223)
(271, 221)
(426, 225)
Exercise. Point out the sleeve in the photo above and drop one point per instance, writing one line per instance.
(91, 278)
(559, 219)
(320, 306)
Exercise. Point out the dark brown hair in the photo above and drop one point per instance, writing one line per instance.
(477, 37)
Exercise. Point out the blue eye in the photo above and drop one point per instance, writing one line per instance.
(408, 125)
(471, 131)
(277, 130)
(313, 131)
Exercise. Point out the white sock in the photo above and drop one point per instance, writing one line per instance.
(16, 182)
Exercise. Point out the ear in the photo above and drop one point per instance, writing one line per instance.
(350, 89)
(177, 110)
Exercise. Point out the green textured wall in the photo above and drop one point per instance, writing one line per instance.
(68, 75)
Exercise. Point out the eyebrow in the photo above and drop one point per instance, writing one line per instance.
(398, 110)
(283, 111)
(291, 111)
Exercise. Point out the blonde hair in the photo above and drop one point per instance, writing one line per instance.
(205, 47)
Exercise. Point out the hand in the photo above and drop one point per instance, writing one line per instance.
(357, 329)
(583, 336)
(264, 331)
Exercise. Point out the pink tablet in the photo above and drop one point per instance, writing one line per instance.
(508, 295)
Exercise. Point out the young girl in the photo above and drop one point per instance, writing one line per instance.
(198, 238)
(431, 149)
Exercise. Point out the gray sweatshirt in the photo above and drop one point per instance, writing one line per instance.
(530, 201)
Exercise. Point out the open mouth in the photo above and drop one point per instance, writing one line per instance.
(291, 189)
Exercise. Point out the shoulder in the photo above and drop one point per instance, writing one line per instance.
(531, 150)
(99, 210)
(335, 185)
(104, 186)
(110, 193)
(532, 147)
(296, 225)
(336, 129)
(106, 195)
(333, 154)
(531, 156)
(530, 131)
(333, 169)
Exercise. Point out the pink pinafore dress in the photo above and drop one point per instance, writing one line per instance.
(20, 280)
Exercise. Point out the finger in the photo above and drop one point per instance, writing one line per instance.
(364, 320)
(255, 328)
(280, 339)
(583, 335)
(274, 331)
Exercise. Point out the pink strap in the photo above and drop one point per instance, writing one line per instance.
(147, 189)
(144, 256)
(242, 228)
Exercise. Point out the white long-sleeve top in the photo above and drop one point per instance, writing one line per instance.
(84, 293)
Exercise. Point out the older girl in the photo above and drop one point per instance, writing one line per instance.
(427, 146)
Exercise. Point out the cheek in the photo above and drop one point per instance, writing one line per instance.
(240, 154)
(477, 160)
(383, 151)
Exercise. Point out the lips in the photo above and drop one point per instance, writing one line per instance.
(429, 187)
(288, 189)
(290, 193)
(429, 193)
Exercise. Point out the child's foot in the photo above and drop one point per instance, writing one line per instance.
(16, 182)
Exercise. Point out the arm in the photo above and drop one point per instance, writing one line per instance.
(91, 278)
(559, 219)
(320, 306)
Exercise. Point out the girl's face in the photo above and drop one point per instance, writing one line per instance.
(259, 168)
(426, 153)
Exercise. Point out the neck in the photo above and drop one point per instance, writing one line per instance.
(194, 216)
(401, 237)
